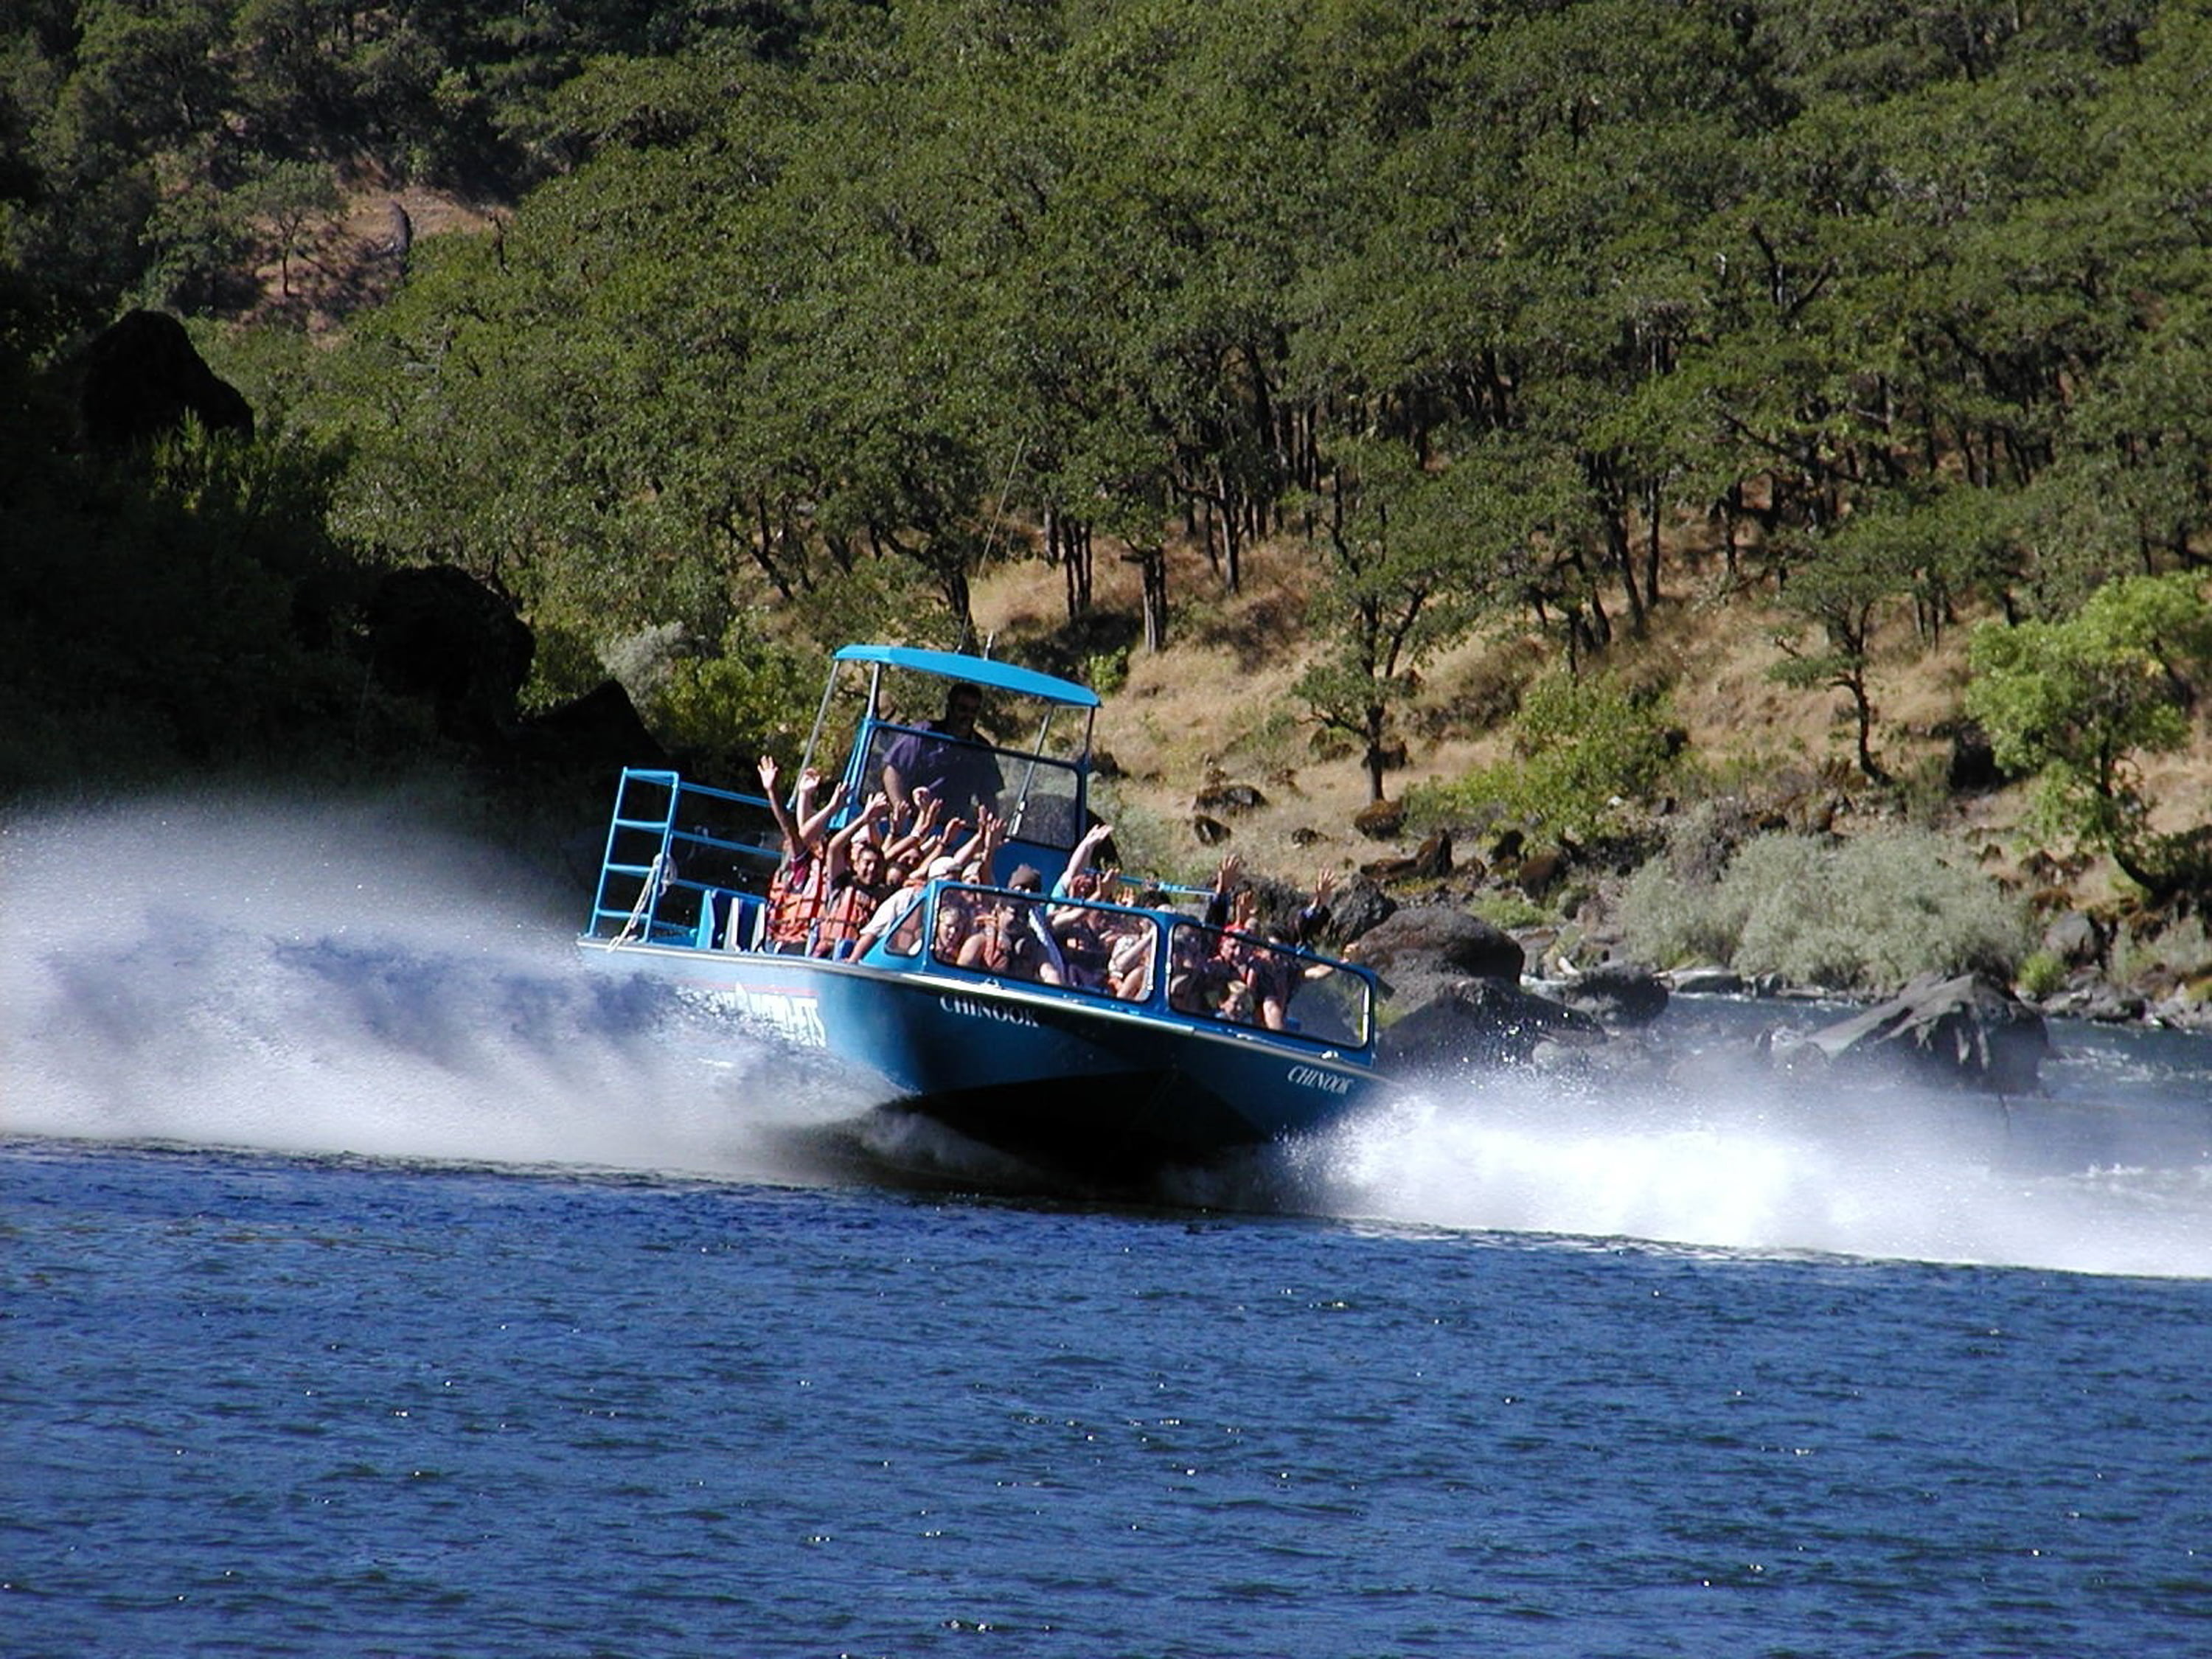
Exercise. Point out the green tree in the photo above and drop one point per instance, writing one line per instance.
(291, 200)
(1409, 559)
(2076, 701)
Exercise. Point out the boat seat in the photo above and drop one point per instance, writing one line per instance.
(728, 920)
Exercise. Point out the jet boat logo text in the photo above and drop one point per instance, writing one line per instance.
(1308, 1077)
(984, 1011)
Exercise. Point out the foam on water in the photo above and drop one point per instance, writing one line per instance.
(330, 979)
(334, 980)
(1937, 1179)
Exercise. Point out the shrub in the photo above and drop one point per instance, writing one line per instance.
(1866, 914)
(722, 712)
(1583, 749)
(1108, 671)
(2041, 973)
(1507, 911)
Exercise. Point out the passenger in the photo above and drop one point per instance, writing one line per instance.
(898, 919)
(947, 757)
(1234, 904)
(1078, 928)
(1129, 955)
(856, 881)
(956, 920)
(924, 837)
(1197, 978)
(1079, 861)
(1008, 939)
(795, 892)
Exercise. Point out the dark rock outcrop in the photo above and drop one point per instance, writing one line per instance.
(596, 735)
(1380, 820)
(1431, 861)
(1966, 1029)
(1358, 911)
(1973, 768)
(143, 376)
(1229, 799)
(1539, 872)
(1478, 1023)
(1421, 948)
(1616, 993)
(436, 632)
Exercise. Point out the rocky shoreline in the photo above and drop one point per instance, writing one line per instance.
(1460, 995)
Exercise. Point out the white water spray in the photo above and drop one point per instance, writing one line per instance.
(1756, 1167)
(334, 980)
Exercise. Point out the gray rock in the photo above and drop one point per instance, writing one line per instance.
(1967, 1030)
(1421, 948)
(1359, 909)
(1479, 1023)
(1617, 993)
(2075, 940)
(1704, 982)
(2087, 996)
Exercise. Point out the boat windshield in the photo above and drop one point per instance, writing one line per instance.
(1040, 801)
(1240, 979)
(1103, 948)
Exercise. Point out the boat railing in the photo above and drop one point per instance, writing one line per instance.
(1157, 961)
(684, 862)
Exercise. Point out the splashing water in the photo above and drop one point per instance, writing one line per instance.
(1928, 1178)
(325, 980)
(334, 980)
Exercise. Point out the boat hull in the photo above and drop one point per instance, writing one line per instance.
(1069, 1083)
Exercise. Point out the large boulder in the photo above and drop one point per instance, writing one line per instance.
(143, 376)
(436, 632)
(1474, 1023)
(1616, 993)
(597, 734)
(1358, 911)
(1380, 820)
(1967, 1030)
(1420, 949)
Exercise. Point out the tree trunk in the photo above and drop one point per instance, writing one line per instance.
(1152, 564)
(1651, 542)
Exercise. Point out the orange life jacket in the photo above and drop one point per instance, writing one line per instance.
(842, 915)
(794, 900)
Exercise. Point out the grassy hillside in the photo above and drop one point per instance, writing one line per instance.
(1217, 705)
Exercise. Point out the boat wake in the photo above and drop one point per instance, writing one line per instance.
(2029, 1183)
(327, 980)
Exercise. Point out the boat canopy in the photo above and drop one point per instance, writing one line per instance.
(980, 671)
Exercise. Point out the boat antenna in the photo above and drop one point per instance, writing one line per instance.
(1006, 488)
(991, 535)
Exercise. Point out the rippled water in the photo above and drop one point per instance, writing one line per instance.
(372, 1284)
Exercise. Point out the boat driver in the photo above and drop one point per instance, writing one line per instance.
(946, 759)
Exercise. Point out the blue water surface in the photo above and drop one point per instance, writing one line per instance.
(373, 1283)
(270, 1405)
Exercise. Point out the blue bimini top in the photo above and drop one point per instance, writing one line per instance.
(979, 671)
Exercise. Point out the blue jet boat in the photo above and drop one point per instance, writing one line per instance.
(1101, 1084)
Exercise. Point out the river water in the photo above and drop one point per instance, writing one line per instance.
(373, 1283)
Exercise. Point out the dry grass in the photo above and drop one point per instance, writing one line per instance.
(1216, 704)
